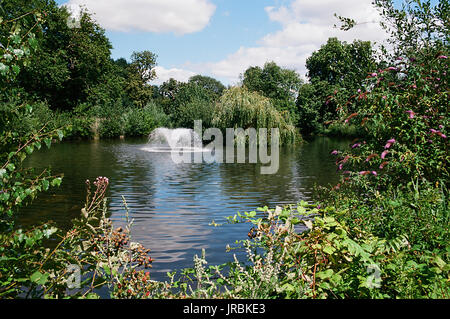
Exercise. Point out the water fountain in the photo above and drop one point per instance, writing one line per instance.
(164, 140)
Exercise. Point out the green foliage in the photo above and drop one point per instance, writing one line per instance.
(192, 102)
(195, 109)
(112, 126)
(81, 127)
(68, 61)
(306, 252)
(316, 105)
(16, 184)
(17, 35)
(166, 95)
(240, 108)
(139, 122)
(415, 28)
(140, 72)
(102, 254)
(214, 87)
(340, 63)
(336, 71)
(278, 84)
(187, 102)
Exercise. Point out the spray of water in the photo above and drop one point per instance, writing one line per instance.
(163, 140)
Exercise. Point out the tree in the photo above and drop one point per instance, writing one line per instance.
(240, 108)
(193, 102)
(208, 83)
(336, 72)
(279, 84)
(141, 72)
(340, 63)
(143, 64)
(187, 102)
(69, 60)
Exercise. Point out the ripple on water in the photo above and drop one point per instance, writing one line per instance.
(172, 205)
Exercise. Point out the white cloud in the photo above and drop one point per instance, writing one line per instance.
(180, 17)
(306, 25)
(164, 74)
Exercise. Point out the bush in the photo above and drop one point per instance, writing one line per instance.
(341, 130)
(111, 127)
(81, 127)
(138, 122)
(197, 109)
(161, 119)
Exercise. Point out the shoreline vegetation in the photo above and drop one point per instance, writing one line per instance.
(381, 232)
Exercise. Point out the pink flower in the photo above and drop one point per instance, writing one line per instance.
(392, 68)
(441, 126)
(389, 143)
(441, 135)
(433, 131)
(356, 145)
(374, 173)
(382, 165)
(442, 57)
(374, 74)
(370, 157)
(383, 155)
(334, 152)
(411, 114)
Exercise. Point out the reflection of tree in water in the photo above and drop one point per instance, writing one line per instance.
(301, 168)
(244, 180)
(173, 204)
(315, 165)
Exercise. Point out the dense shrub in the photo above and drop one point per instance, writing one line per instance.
(112, 127)
(138, 122)
(196, 109)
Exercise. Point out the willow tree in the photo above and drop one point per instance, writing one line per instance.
(240, 108)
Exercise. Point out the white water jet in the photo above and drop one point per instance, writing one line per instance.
(165, 140)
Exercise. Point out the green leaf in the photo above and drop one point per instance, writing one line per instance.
(33, 43)
(60, 134)
(329, 249)
(107, 270)
(45, 184)
(39, 278)
(11, 167)
(2, 172)
(325, 274)
(48, 142)
(57, 181)
(15, 69)
(29, 149)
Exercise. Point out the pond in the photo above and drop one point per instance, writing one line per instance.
(173, 205)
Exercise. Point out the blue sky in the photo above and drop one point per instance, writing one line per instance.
(221, 38)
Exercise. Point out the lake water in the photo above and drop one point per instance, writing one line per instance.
(173, 204)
